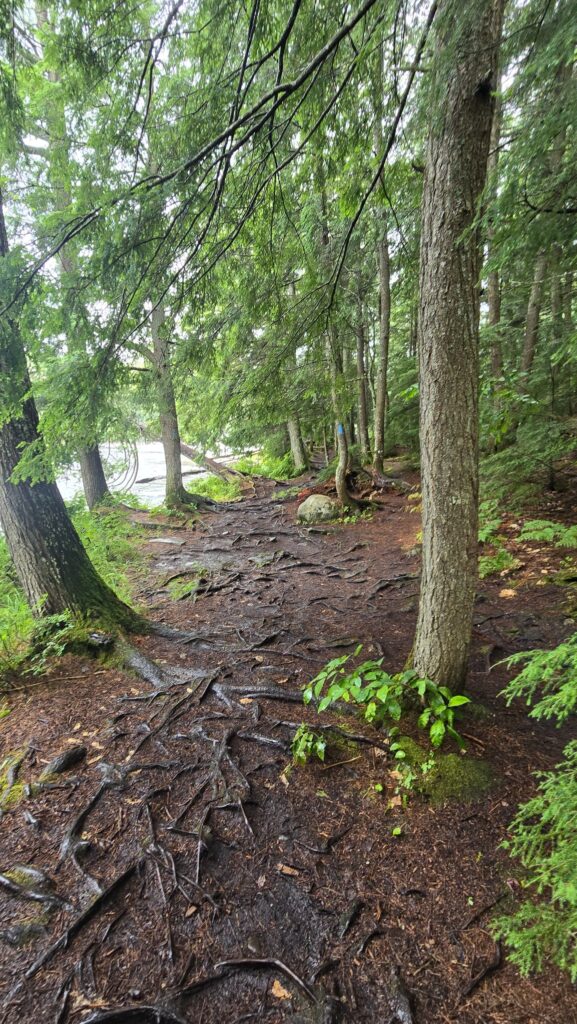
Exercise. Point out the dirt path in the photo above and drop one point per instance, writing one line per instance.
(193, 879)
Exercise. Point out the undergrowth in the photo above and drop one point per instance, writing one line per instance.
(217, 488)
(109, 538)
(264, 464)
(543, 835)
(382, 697)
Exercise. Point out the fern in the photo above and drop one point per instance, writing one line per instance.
(550, 533)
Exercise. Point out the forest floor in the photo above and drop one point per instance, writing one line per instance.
(196, 878)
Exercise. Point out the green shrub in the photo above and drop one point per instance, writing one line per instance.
(217, 488)
(110, 541)
(16, 619)
(306, 744)
(262, 464)
(384, 697)
(544, 832)
(548, 532)
(500, 562)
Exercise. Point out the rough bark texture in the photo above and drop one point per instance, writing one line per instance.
(176, 493)
(532, 321)
(93, 478)
(383, 355)
(362, 412)
(52, 566)
(493, 284)
(381, 385)
(298, 451)
(456, 167)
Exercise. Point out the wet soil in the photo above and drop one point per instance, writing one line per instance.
(195, 878)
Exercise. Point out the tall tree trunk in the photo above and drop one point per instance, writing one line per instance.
(362, 392)
(341, 442)
(456, 167)
(334, 359)
(493, 283)
(381, 392)
(532, 320)
(59, 168)
(567, 300)
(52, 566)
(175, 494)
(298, 451)
(381, 386)
(93, 478)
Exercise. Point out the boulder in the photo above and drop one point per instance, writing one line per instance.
(318, 508)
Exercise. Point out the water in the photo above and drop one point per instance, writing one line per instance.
(124, 470)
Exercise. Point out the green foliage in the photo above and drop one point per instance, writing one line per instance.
(500, 562)
(263, 464)
(52, 636)
(544, 530)
(306, 744)
(110, 540)
(440, 776)
(552, 674)
(16, 618)
(544, 832)
(387, 698)
(217, 488)
(489, 521)
(544, 840)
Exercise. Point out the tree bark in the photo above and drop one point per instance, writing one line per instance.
(175, 493)
(93, 478)
(362, 392)
(381, 389)
(218, 468)
(334, 359)
(532, 320)
(493, 283)
(341, 441)
(298, 452)
(52, 566)
(381, 386)
(456, 167)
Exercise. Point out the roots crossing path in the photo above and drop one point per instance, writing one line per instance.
(191, 877)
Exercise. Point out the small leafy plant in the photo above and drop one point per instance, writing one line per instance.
(548, 532)
(500, 562)
(384, 697)
(306, 744)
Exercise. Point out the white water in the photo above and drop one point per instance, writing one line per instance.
(150, 464)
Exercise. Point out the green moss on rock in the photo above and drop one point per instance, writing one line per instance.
(453, 776)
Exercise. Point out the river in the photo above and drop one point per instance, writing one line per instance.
(142, 473)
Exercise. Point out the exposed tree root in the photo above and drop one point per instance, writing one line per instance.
(64, 940)
(267, 964)
(134, 1015)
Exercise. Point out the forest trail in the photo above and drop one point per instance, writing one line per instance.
(194, 878)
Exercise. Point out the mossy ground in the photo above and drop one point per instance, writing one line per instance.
(11, 792)
(453, 776)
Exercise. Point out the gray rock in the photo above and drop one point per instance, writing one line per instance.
(318, 508)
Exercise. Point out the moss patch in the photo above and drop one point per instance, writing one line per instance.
(453, 777)
(11, 790)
